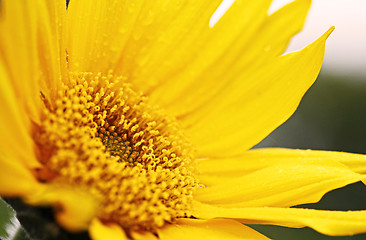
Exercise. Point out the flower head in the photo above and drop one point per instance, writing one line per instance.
(135, 118)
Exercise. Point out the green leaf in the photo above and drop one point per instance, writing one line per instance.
(10, 227)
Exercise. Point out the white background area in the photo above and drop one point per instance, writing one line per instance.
(346, 47)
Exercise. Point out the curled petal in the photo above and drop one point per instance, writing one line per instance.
(215, 229)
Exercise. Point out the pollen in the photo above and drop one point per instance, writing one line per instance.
(98, 134)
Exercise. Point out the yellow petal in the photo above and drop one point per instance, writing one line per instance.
(134, 32)
(74, 207)
(211, 230)
(51, 48)
(211, 52)
(260, 158)
(16, 180)
(334, 223)
(20, 24)
(16, 154)
(143, 236)
(356, 162)
(257, 43)
(282, 178)
(15, 137)
(246, 111)
(100, 231)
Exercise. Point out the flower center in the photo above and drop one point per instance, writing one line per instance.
(100, 135)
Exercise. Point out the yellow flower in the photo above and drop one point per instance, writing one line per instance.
(135, 118)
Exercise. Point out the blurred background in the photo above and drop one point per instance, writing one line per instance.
(331, 116)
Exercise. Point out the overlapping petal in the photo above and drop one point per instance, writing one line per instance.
(17, 155)
(260, 42)
(211, 53)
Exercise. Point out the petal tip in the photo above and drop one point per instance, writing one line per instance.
(327, 33)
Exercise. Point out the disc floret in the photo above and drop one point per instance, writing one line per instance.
(100, 135)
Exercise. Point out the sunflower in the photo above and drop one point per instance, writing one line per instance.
(134, 119)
